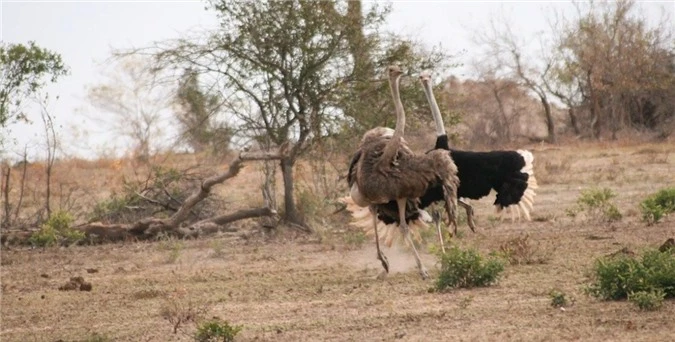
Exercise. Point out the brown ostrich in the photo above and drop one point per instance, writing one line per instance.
(387, 170)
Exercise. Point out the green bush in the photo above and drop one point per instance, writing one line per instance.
(617, 277)
(216, 330)
(648, 300)
(558, 298)
(597, 204)
(656, 206)
(56, 231)
(466, 269)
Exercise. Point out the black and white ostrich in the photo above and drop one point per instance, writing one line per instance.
(509, 173)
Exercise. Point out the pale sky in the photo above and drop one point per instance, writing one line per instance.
(84, 32)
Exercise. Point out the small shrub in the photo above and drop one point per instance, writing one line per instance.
(466, 269)
(173, 246)
(558, 298)
(597, 205)
(179, 309)
(216, 330)
(117, 208)
(648, 300)
(56, 231)
(519, 251)
(218, 248)
(656, 206)
(616, 277)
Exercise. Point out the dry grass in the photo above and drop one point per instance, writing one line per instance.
(301, 290)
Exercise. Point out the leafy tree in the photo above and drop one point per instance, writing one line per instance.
(297, 71)
(196, 111)
(23, 70)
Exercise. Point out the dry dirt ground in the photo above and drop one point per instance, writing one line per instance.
(285, 288)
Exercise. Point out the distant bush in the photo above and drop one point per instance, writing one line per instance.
(56, 231)
(648, 300)
(216, 330)
(520, 251)
(466, 269)
(597, 204)
(558, 299)
(643, 280)
(656, 206)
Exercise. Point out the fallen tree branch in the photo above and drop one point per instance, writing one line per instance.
(216, 224)
(150, 227)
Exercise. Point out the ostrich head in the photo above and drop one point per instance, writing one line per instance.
(394, 71)
(425, 76)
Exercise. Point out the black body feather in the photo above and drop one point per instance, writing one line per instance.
(480, 172)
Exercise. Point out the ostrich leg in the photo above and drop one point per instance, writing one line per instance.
(380, 255)
(406, 232)
(437, 221)
(469, 214)
(450, 199)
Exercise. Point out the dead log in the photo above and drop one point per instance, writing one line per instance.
(150, 227)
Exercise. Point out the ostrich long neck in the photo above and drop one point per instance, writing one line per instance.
(441, 135)
(435, 111)
(394, 143)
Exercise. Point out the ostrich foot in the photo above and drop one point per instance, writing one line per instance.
(424, 273)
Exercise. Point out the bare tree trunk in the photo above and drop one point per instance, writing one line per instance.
(50, 139)
(550, 124)
(573, 119)
(506, 129)
(291, 214)
(6, 171)
(595, 109)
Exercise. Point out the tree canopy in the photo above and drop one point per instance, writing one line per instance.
(25, 69)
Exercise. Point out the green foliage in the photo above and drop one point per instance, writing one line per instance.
(23, 69)
(648, 300)
(466, 269)
(197, 115)
(558, 298)
(597, 205)
(56, 231)
(216, 330)
(115, 208)
(616, 277)
(656, 206)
